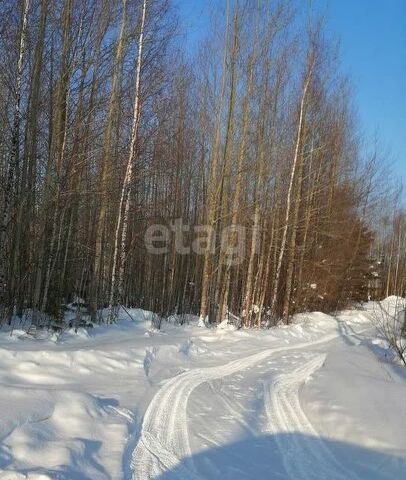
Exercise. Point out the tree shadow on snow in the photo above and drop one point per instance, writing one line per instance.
(289, 456)
(81, 461)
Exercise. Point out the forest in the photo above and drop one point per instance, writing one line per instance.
(231, 181)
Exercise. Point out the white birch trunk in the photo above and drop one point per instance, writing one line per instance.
(117, 280)
(291, 183)
(106, 160)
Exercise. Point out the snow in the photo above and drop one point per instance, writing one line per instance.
(318, 399)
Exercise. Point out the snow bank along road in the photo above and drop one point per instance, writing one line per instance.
(164, 442)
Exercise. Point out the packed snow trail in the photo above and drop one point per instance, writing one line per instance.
(164, 441)
(302, 459)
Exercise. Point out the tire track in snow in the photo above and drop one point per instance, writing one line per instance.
(303, 457)
(164, 440)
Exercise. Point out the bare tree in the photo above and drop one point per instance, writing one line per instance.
(125, 198)
(390, 321)
(306, 84)
(14, 159)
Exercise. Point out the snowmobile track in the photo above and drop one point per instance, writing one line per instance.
(302, 459)
(164, 441)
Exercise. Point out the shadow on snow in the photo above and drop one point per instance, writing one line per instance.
(289, 456)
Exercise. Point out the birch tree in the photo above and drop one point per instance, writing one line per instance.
(13, 163)
(119, 254)
(306, 84)
(106, 163)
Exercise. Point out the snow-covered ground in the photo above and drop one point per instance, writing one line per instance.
(319, 400)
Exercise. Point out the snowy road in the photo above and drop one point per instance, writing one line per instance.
(164, 441)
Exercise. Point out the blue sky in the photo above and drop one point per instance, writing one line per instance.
(373, 49)
(372, 35)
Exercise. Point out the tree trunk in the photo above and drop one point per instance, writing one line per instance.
(106, 163)
(212, 190)
(125, 198)
(306, 84)
(13, 164)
